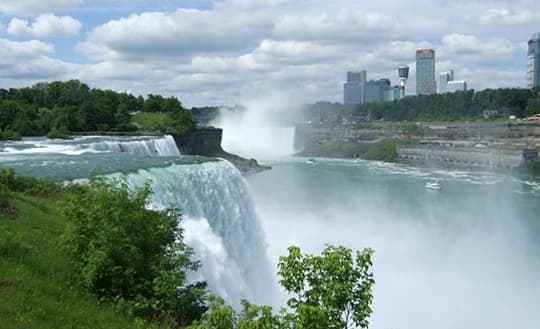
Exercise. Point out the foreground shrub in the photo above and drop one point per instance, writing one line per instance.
(4, 198)
(127, 253)
(331, 291)
(25, 184)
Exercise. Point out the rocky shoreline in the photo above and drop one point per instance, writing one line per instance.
(483, 144)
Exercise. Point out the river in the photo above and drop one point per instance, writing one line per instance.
(467, 256)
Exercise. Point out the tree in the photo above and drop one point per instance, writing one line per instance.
(180, 121)
(533, 107)
(331, 291)
(125, 252)
(332, 287)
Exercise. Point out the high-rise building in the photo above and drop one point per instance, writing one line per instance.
(533, 61)
(354, 90)
(444, 78)
(457, 85)
(425, 72)
(377, 90)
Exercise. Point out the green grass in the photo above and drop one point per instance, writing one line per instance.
(37, 289)
(150, 121)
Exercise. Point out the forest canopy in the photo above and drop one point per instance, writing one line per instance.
(72, 106)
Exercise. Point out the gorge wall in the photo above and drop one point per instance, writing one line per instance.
(484, 144)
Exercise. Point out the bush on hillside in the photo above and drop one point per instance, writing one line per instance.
(10, 135)
(26, 184)
(125, 252)
(60, 133)
(4, 198)
(384, 150)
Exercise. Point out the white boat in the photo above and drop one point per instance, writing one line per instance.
(433, 185)
(311, 161)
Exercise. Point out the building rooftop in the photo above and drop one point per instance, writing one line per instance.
(535, 37)
(425, 51)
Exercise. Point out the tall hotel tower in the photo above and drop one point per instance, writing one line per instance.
(354, 90)
(425, 72)
(533, 61)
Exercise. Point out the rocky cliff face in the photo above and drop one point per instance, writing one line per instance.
(484, 144)
(207, 142)
(203, 141)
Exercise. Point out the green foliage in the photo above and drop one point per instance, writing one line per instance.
(62, 107)
(28, 185)
(60, 133)
(384, 150)
(10, 135)
(125, 252)
(331, 291)
(460, 105)
(35, 276)
(150, 121)
(333, 287)
(4, 197)
(533, 107)
(180, 121)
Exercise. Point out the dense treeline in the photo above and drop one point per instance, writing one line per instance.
(72, 106)
(459, 105)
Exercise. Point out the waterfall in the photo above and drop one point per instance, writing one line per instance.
(144, 145)
(164, 146)
(220, 223)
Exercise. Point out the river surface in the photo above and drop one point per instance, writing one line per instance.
(467, 256)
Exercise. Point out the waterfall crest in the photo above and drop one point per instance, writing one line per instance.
(220, 223)
(164, 146)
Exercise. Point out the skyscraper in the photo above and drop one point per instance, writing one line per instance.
(354, 90)
(425, 72)
(533, 61)
(444, 78)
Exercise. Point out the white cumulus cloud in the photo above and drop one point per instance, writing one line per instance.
(45, 25)
(23, 63)
(35, 7)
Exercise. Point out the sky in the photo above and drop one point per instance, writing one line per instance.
(224, 52)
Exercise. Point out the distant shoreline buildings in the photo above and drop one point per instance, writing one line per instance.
(358, 90)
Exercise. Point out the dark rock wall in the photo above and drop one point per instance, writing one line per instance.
(207, 142)
(203, 141)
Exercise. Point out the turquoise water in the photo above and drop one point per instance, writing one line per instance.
(467, 256)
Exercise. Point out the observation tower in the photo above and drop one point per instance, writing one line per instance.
(403, 72)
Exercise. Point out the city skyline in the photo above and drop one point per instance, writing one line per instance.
(224, 51)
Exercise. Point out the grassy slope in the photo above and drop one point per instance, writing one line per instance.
(35, 287)
(149, 121)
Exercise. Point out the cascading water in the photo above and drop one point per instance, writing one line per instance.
(220, 223)
(145, 145)
(164, 146)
